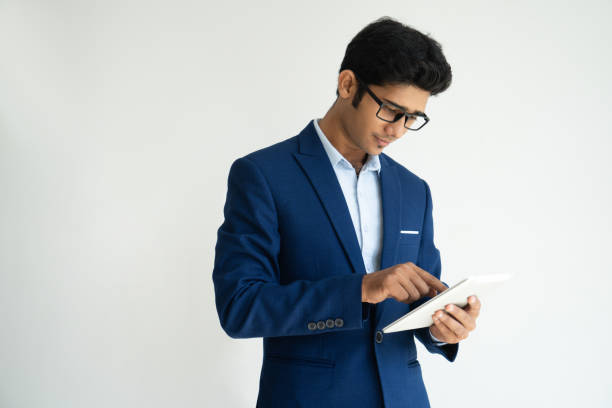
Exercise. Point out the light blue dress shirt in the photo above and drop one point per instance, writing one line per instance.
(363, 198)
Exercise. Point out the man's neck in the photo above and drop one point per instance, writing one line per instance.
(337, 136)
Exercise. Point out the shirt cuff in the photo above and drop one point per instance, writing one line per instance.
(436, 340)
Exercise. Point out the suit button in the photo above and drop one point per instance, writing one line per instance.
(329, 323)
(339, 322)
(312, 326)
(320, 325)
(379, 336)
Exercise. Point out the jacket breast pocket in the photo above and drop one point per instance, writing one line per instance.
(408, 247)
(409, 237)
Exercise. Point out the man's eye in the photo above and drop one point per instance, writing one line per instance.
(393, 111)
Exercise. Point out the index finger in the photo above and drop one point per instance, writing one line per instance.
(430, 279)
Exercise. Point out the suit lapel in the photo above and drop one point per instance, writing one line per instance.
(314, 161)
(391, 196)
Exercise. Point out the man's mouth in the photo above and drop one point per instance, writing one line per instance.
(382, 141)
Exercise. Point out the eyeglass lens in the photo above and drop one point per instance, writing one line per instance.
(389, 114)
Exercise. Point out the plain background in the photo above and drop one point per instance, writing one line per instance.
(119, 121)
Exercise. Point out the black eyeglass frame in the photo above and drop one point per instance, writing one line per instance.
(399, 115)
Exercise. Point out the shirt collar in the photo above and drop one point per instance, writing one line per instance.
(336, 158)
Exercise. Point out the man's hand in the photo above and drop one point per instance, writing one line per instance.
(404, 282)
(454, 323)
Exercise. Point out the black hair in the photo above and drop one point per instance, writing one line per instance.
(389, 52)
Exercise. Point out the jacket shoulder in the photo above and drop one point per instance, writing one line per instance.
(275, 153)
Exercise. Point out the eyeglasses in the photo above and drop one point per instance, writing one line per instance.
(390, 113)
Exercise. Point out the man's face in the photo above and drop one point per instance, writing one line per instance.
(369, 133)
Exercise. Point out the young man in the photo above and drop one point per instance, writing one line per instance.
(326, 240)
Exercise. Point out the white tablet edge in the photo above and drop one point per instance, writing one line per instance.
(479, 278)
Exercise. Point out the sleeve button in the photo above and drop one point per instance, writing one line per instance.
(339, 322)
(320, 324)
(329, 323)
(312, 326)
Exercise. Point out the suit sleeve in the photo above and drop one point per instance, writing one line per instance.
(429, 259)
(250, 300)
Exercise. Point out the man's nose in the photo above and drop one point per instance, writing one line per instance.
(395, 130)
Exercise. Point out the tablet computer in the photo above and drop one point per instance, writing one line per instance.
(457, 294)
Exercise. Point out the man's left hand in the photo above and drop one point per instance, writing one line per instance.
(454, 323)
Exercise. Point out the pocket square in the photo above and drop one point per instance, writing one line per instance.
(408, 232)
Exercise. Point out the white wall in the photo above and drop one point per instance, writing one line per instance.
(118, 124)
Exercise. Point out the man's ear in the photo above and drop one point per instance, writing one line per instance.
(347, 84)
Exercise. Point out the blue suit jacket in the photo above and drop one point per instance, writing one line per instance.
(287, 255)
